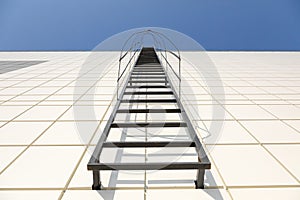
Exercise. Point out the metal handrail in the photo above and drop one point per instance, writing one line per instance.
(155, 35)
(128, 63)
(160, 35)
(172, 68)
(166, 59)
(163, 35)
(177, 75)
(134, 34)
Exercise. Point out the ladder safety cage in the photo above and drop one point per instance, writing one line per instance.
(147, 72)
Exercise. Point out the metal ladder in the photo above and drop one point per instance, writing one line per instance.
(148, 73)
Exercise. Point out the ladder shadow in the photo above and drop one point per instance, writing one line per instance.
(110, 194)
(114, 178)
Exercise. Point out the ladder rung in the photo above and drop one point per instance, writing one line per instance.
(148, 124)
(148, 77)
(150, 93)
(148, 86)
(150, 67)
(148, 70)
(150, 64)
(147, 81)
(149, 166)
(149, 111)
(146, 57)
(153, 144)
(146, 74)
(148, 101)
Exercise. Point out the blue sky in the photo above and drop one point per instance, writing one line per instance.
(215, 24)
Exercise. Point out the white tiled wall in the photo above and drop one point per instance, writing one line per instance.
(43, 157)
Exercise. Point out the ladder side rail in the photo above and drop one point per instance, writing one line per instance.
(96, 154)
(200, 151)
(120, 63)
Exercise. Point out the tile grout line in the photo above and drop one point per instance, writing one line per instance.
(263, 146)
(38, 102)
(92, 137)
(212, 160)
(53, 122)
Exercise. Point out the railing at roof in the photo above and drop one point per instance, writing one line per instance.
(159, 46)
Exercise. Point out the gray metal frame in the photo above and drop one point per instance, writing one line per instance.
(203, 161)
